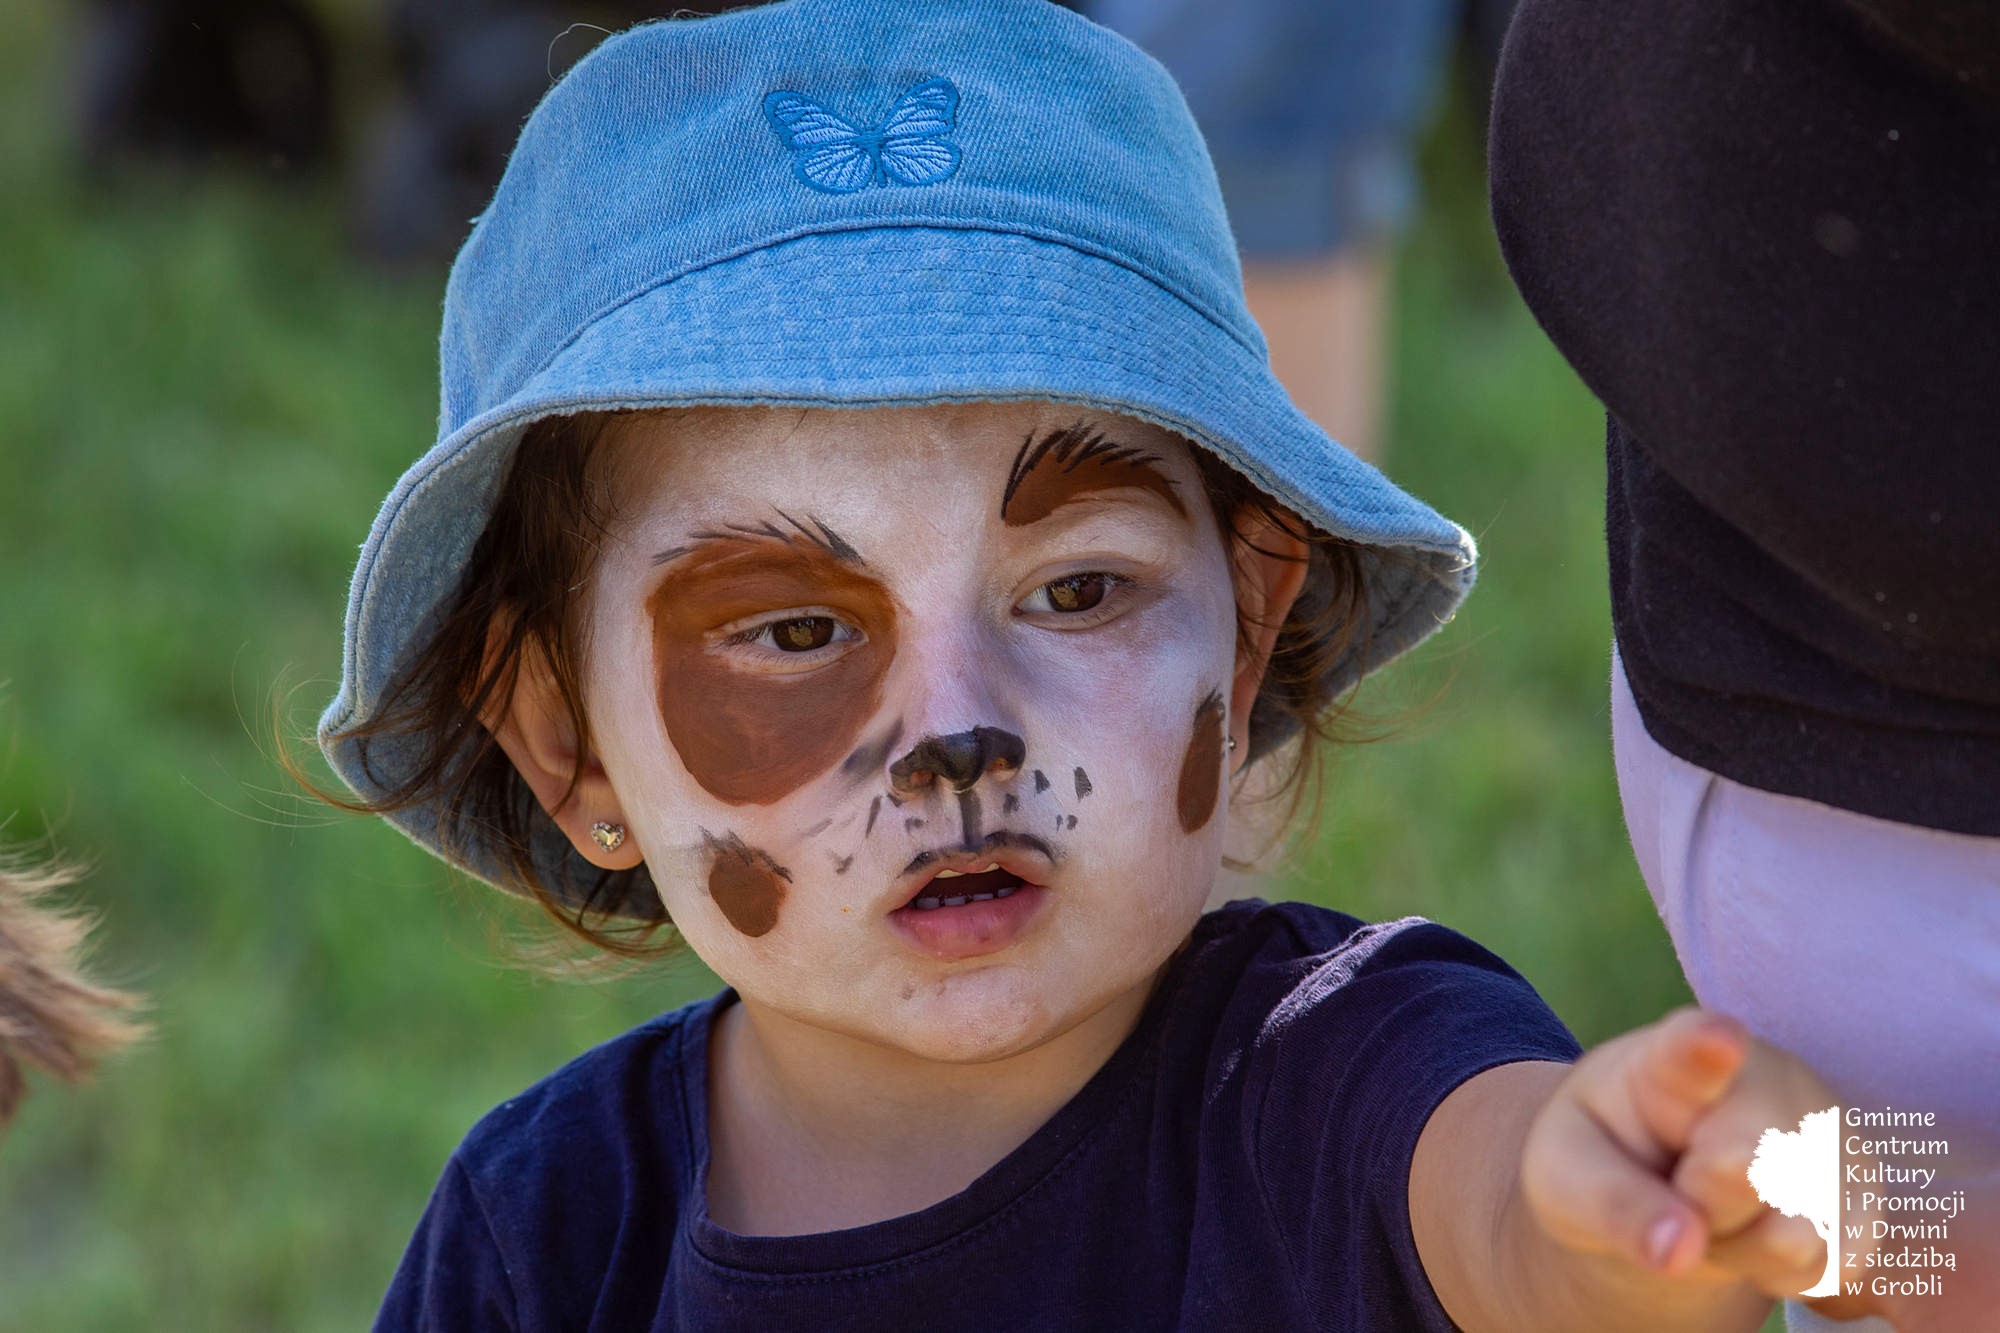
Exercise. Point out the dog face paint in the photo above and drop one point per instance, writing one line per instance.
(1060, 465)
(799, 617)
(1201, 766)
(747, 885)
(751, 726)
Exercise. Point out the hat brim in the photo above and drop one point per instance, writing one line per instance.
(875, 317)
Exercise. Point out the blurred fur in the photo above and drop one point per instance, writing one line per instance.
(52, 1017)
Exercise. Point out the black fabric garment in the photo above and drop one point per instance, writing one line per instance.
(1765, 234)
(1242, 1161)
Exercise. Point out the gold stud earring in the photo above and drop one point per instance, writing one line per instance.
(608, 836)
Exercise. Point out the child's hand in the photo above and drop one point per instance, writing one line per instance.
(1644, 1152)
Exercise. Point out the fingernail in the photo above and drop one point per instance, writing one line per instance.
(1661, 1237)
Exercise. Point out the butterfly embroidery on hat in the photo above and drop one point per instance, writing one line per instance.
(830, 153)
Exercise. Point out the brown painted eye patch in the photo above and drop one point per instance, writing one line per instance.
(750, 737)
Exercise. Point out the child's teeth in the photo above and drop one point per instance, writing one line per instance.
(948, 874)
(931, 902)
(990, 865)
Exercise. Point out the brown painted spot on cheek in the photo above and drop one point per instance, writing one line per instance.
(750, 736)
(1201, 768)
(748, 887)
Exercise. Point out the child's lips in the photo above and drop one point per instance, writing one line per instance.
(955, 904)
(1001, 860)
(971, 929)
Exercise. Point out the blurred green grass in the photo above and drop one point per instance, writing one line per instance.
(202, 405)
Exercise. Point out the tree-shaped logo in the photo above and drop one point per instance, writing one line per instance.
(1798, 1173)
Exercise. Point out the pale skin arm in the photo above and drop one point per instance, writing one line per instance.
(1613, 1193)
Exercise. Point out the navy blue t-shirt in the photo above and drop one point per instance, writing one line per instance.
(1241, 1161)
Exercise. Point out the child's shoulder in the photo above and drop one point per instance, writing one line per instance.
(534, 1201)
(1303, 947)
(1289, 995)
(623, 1099)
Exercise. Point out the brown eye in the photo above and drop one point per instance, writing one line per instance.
(1078, 593)
(804, 634)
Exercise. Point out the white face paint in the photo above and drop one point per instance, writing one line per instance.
(791, 607)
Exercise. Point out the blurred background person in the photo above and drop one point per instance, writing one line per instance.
(193, 81)
(465, 74)
(1312, 109)
(1762, 231)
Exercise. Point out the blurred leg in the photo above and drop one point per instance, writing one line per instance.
(1310, 111)
(1326, 322)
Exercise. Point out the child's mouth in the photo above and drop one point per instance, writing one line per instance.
(965, 903)
(955, 888)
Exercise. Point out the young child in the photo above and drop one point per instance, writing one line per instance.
(866, 534)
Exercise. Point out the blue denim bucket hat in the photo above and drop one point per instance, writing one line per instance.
(854, 203)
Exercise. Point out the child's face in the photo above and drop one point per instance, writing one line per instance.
(836, 655)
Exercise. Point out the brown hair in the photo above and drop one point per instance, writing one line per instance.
(51, 1016)
(530, 572)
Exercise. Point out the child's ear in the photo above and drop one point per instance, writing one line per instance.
(1269, 567)
(534, 728)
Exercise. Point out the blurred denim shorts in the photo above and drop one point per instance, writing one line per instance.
(1309, 107)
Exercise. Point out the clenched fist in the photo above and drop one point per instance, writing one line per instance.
(1644, 1151)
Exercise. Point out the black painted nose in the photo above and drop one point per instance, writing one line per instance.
(957, 760)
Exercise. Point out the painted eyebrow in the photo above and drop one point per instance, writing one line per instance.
(1064, 464)
(812, 533)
